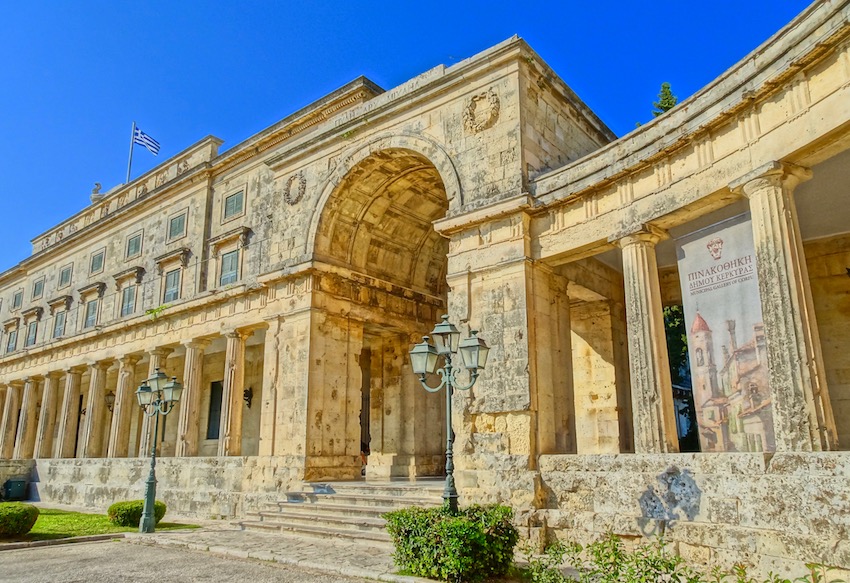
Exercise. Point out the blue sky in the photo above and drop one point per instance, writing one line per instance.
(74, 75)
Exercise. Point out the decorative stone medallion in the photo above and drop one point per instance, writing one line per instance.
(482, 112)
(292, 192)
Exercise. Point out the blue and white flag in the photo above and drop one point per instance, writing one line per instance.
(141, 138)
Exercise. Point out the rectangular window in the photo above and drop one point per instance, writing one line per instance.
(233, 204)
(177, 226)
(229, 267)
(32, 332)
(97, 262)
(12, 340)
(128, 300)
(17, 299)
(59, 324)
(134, 245)
(172, 286)
(65, 276)
(91, 314)
(214, 418)
(38, 289)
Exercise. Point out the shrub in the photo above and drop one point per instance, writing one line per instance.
(474, 544)
(130, 513)
(16, 518)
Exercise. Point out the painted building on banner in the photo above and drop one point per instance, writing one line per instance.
(284, 280)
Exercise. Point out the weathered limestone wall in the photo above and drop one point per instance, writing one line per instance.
(202, 487)
(14, 469)
(773, 512)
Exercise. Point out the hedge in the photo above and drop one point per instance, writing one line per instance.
(16, 518)
(130, 513)
(474, 544)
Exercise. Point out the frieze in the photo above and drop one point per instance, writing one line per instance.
(481, 112)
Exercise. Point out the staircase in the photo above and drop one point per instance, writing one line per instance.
(344, 509)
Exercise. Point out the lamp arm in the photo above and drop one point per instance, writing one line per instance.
(442, 384)
(153, 410)
(474, 377)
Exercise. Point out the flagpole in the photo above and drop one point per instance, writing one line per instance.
(130, 161)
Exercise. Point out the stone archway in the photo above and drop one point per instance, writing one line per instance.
(382, 284)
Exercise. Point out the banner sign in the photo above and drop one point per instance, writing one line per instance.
(726, 344)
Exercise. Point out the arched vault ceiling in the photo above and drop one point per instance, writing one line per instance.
(379, 221)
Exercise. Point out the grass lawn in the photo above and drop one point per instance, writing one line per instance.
(52, 524)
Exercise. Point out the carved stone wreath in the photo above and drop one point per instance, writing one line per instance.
(291, 197)
(482, 112)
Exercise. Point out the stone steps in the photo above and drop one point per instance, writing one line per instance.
(343, 509)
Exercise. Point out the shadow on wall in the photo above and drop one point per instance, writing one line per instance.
(675, 497)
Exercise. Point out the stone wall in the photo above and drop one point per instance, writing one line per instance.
(201, 487)
(13, 469)
(771, 512)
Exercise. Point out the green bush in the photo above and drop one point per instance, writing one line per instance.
(16, 518)
(130, 513)
(476, 543)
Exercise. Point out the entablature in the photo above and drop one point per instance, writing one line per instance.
(240, 234)
(96, 288)
(59, 302)
(132, 274)
(180, 255)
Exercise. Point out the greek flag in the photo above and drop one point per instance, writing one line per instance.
(141, 138)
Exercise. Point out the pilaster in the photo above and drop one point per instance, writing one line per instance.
(125, 406)
(91, 441)
(652, 390)
(25, 439)
(9, 422)
(271, 386)
(802, 413)
(188, 427)
(65, 446)
(47, 418)
(230, 434)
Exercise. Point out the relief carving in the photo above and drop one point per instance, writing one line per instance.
(182, 167)
(292, 192)
(482, 112)
(141, 191)
(160, 178)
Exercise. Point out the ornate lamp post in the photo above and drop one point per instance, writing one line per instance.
(156, 397)
(424, 358)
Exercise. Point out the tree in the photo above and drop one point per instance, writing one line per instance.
(666, 100)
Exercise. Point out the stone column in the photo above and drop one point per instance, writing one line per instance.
(25, 440)
(69, 415)
(92, 438)
(652, 390)
(230, 433)
(9, 421)
(802, 413)
(47, 419)
(125, 406)
(158, 357)
(188, 427)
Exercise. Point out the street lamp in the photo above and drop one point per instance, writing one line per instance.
(157, 396)
(424, 358)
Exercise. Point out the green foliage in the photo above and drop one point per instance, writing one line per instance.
(16, 518)
(608, 561)
(474, 544)
(130, 513)
(156, 312)
(666, 100)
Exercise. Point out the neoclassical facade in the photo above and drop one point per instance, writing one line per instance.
(284, 280)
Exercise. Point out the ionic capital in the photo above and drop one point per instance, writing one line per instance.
(160, 351)
(644, 234)
(129, 360)
(773, 175)
(196, 343)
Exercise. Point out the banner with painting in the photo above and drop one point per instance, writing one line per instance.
(726, 343)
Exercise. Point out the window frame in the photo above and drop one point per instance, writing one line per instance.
(185, 216)
(140, 236)
(235, 272)
(70, 269)
(11, 340)
(243, 190)
(102, 253)
(92, 302)
(17, 300)
(40, 293)
(61, 332)
(32, 334)
(177, 288)
(122, 310)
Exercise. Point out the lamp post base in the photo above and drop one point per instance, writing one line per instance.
(148, 521)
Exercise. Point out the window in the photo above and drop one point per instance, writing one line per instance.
(177, 226)
(12, 340)
(38, 289)
(17, 299)
(172, 286)
(214, 418)
(59, 324)
(32, 332)
(97, 262)
(65, 276)
(134, 245)
(91, 314)
(233, 204)
(229, 267)
(128, 300)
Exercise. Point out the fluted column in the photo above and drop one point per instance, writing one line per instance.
(125, 406)
(9, 423)
(47, 418)
(802, 413)
(158, 356)
(25, 440)
(188, 425)
(230, 433)
(92, 437)
(652, 390)
(69, 415)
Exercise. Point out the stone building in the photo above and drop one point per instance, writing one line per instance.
(284, 280)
